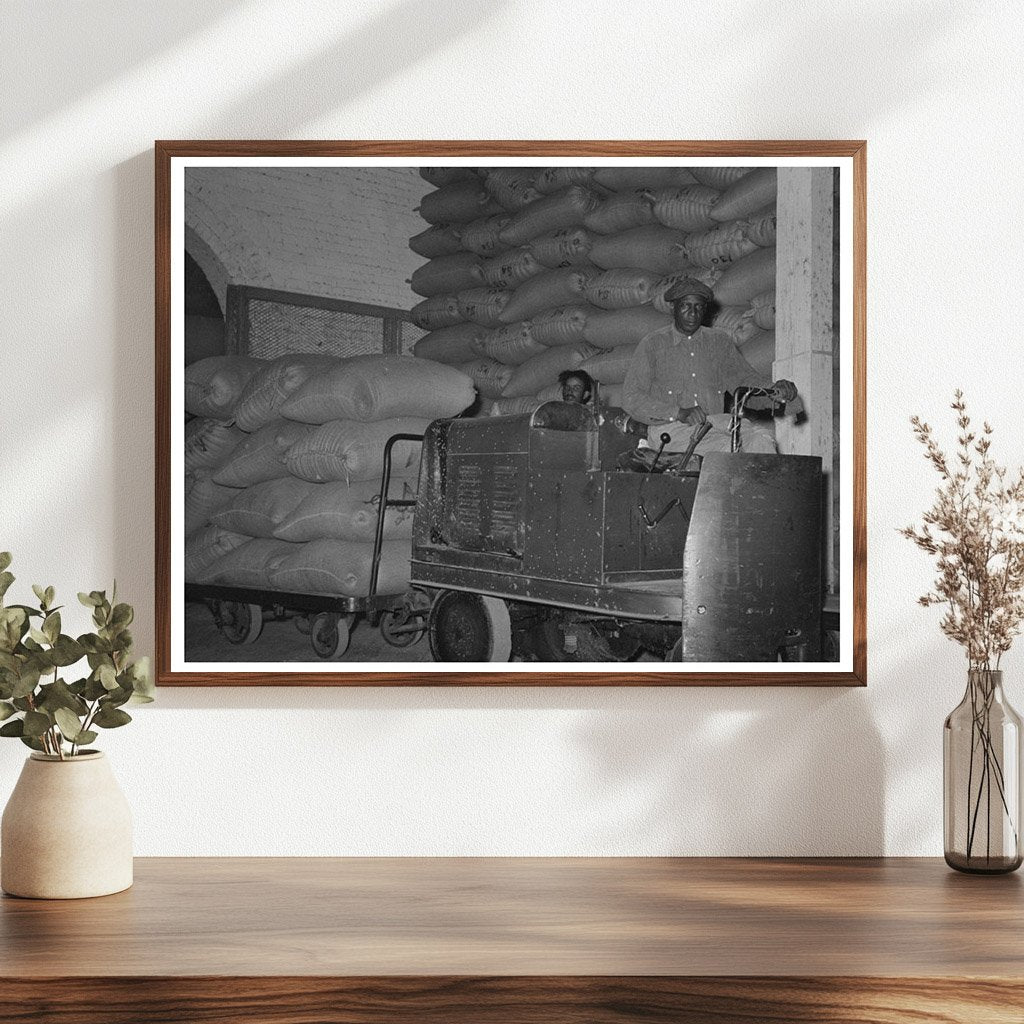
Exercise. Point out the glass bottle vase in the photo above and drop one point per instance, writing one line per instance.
(981, 774)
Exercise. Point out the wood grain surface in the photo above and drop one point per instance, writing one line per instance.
(166, 150)
(523, 939)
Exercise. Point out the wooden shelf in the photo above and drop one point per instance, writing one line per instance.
(508, 940)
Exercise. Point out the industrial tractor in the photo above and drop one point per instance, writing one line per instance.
(530, 539)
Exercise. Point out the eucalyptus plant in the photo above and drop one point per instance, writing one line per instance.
(37, 704)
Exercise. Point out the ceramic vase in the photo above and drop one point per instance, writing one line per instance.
(66, 831)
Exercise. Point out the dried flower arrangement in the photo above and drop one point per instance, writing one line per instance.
(975, 529)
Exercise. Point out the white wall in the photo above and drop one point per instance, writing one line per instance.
(936, 89)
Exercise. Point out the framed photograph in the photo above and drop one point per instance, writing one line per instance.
(493, 413)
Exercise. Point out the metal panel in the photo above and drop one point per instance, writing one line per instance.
(752, 581)
(632, 544)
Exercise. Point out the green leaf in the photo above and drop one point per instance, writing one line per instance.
(51, 626)
(67, 651)
(50, 595)
(86, 736)
(6, 710)
(36, 723)
(28, 680)
(59, 695)
(142, 681)
(40, 593)
(39, 636)
(6, 579)
(89, 600)
(69, 724)
(5, 560)
(31, 741)
(94, 689)
(122, 616)
(94, 644)
(108, 718)
(22, 703)
(14, 728)
(107, 676)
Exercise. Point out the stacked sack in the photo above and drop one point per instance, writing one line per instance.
(532, 271)
(283, 467)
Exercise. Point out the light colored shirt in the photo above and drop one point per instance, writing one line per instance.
(670, 372)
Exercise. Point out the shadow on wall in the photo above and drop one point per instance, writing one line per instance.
(739, 772)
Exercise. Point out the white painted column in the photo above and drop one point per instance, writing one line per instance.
(804, 325)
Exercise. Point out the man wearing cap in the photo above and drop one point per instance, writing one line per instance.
(680, 373)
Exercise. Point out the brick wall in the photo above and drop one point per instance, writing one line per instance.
(338, 232)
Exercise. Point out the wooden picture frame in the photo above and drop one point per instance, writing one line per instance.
(827, 341)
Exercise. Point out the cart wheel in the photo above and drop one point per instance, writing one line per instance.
(239, 623)
(329, 634)
(469, 627)
(392, 621)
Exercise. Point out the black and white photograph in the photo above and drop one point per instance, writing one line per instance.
(569, 418)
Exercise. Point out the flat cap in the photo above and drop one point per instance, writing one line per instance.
(688, 286)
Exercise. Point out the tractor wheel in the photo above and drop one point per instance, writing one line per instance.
(239, 623)
(392, 623)
(469, 627)
(329, 634)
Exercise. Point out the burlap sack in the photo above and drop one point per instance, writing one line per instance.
(203, 499)
(258, 510)
(719, 177)
(482, 236)
(205, 546)
(616, 327)
(654, 247)
(610, 367)
(687, 208)
(437, 312)
(209, 442)
(624, 179)
(512, 345)
(515, 406)
(214, 385)
(457, 203)
(343, 568)
(261, 455)
(483, 305)
(272, 386)
(449, 345)
(736, 321)
(437, 240)
(759, 351)
(368, 388)
(746, 278)
(763, 307)
(563, 325)
(619, 289)
(511, 269)
(621, 211)
(340, 511)
(348, 450)
(488, 375)
(752, 192)
(717, 247)
(553, 179)
(512, 187)
(565, 248)
(761, 229)
(542, 370)
(441, 176)
(447, 274)
(249, 565)
(549, 290)
(549, 213)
